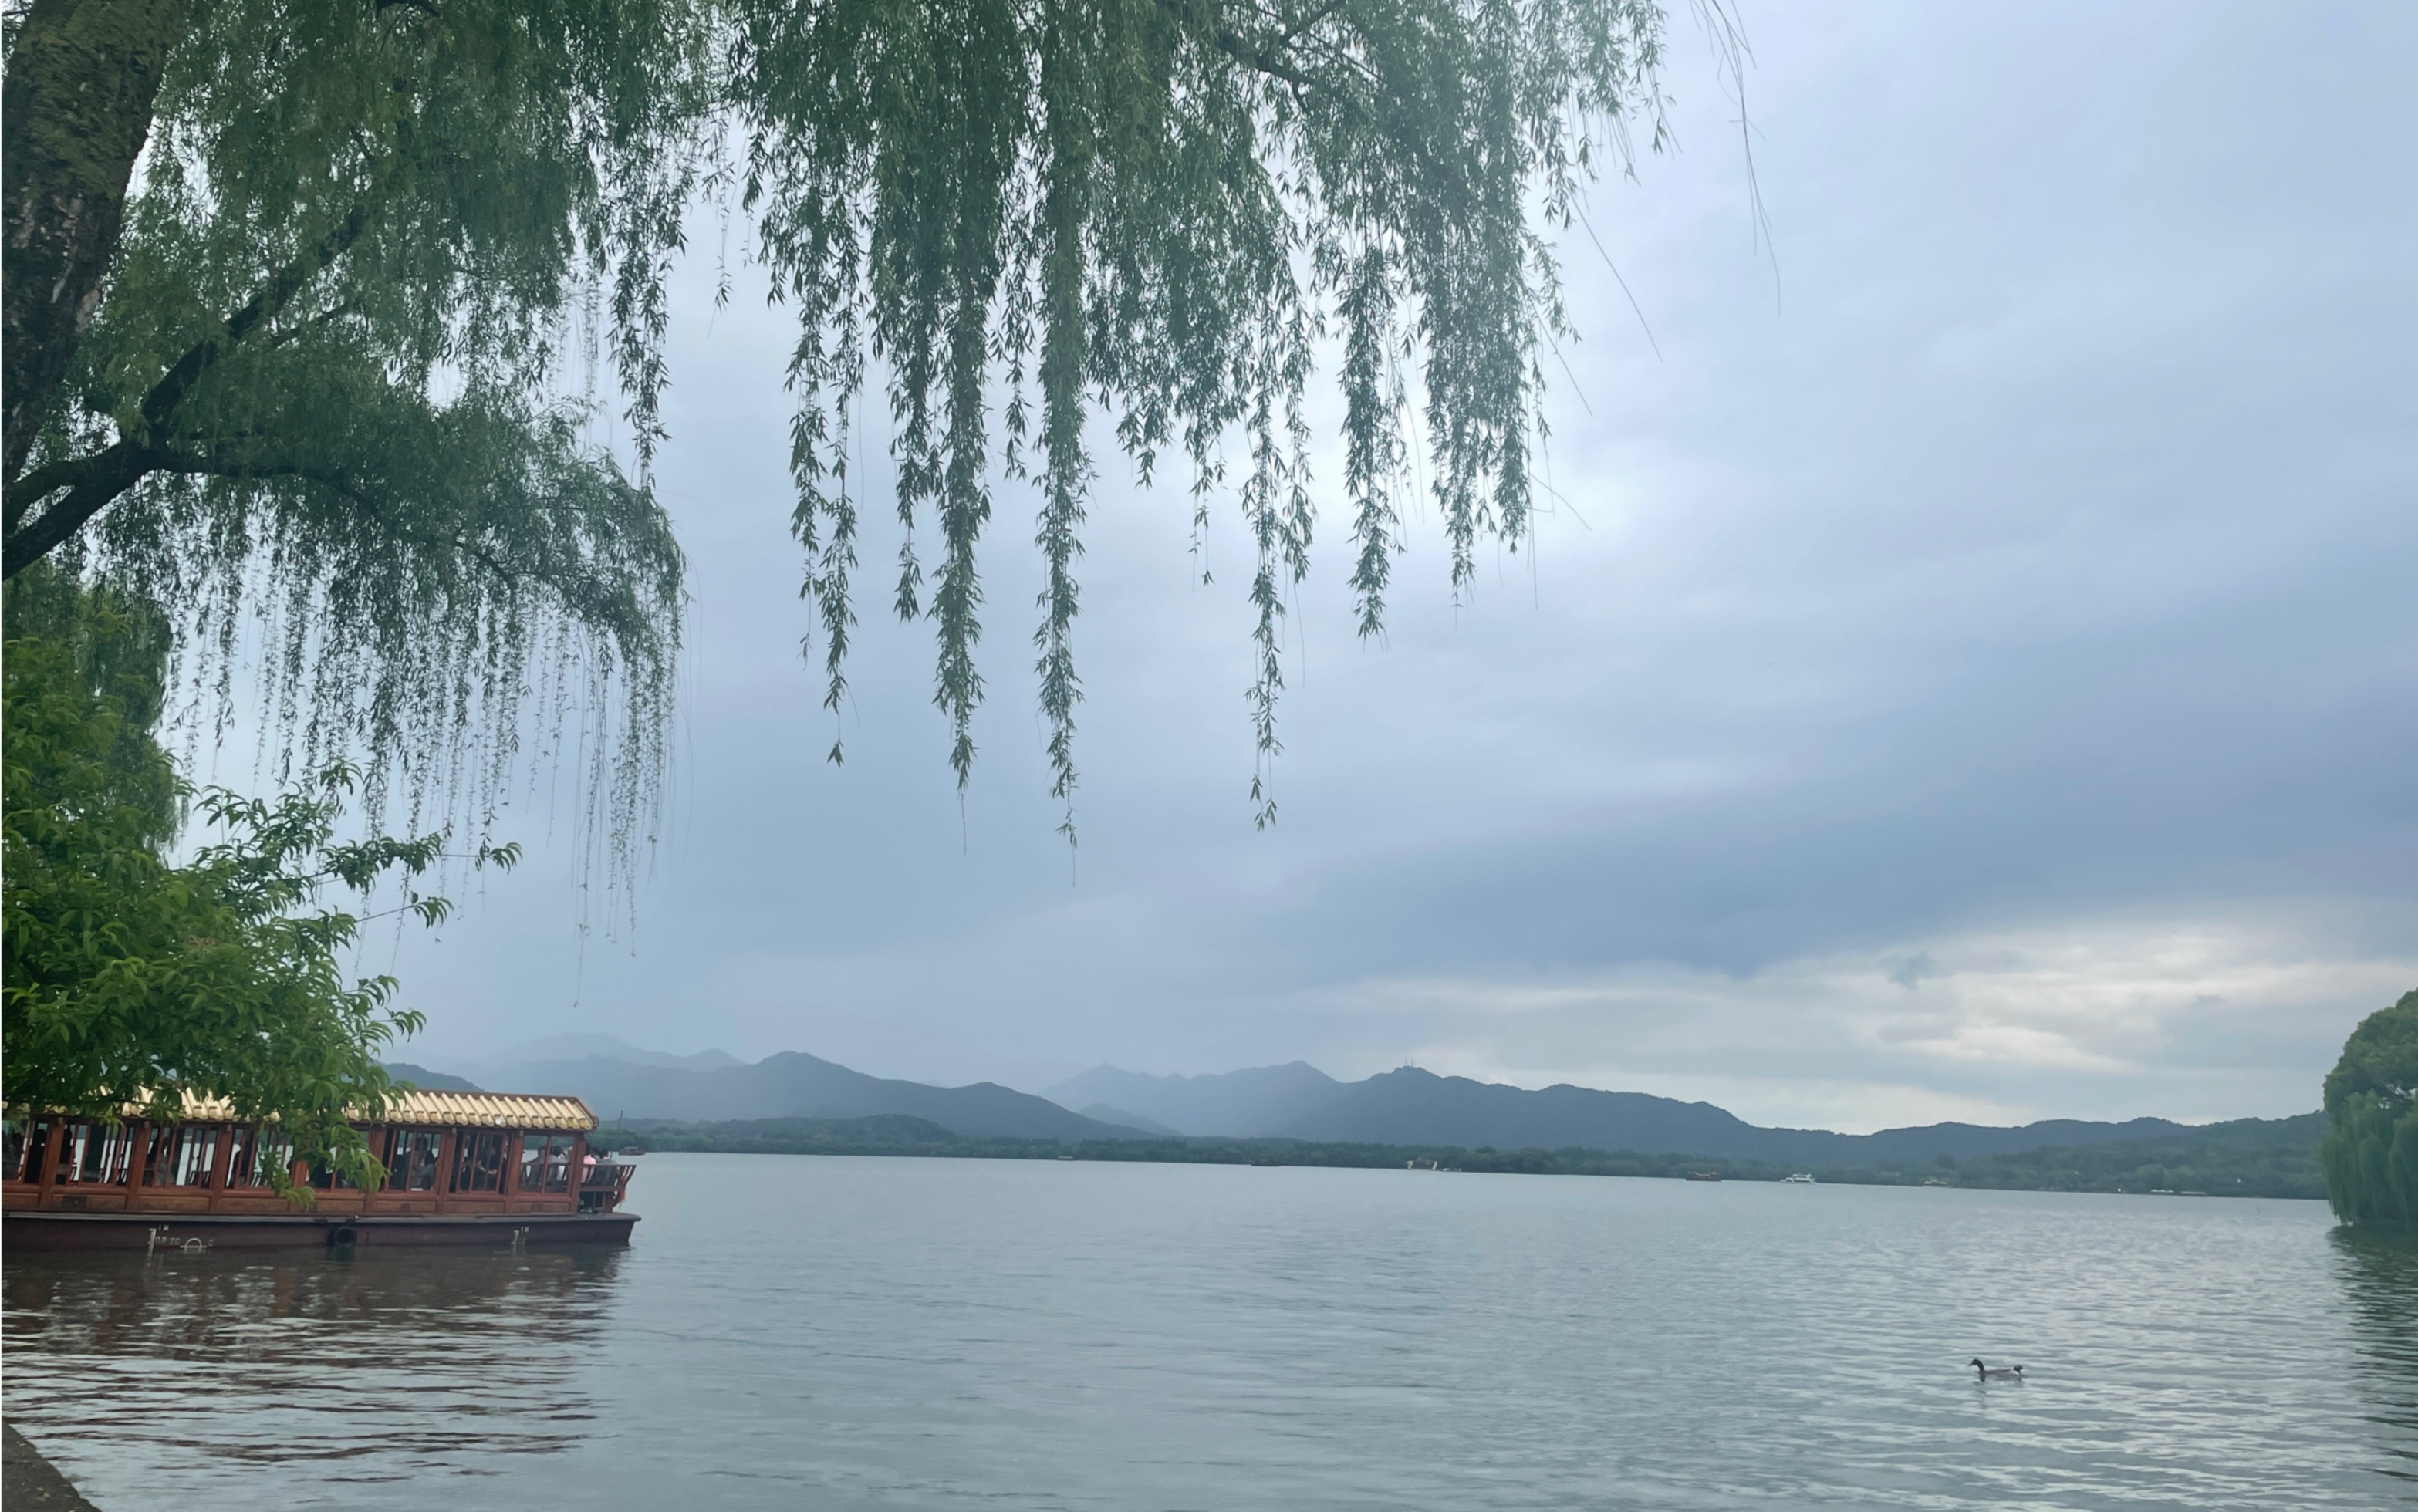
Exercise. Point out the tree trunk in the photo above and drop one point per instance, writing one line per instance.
(74, 113)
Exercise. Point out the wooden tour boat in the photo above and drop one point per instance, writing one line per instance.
(503, 1171)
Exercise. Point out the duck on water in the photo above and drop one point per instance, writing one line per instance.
(1997, 1372)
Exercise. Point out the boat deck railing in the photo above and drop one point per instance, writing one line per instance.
(604, 1185)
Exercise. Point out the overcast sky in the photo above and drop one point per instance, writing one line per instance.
(1973, 671)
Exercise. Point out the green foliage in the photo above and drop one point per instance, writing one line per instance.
(132, 980)
(2370, 1152)
(2242, 1157)
(331, 397)
(2249, 1157)
(372, 245)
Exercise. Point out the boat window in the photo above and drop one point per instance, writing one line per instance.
(96, 1153)
(271, 1155)
(240, 1140)
(27, 1139)
(258, 1157)
(411, 1160)
(181, 1154)
(324, 1178)
(545, 1162)
(479, 1161)
(197, 1158)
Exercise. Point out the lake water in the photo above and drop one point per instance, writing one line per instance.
(808, 1333)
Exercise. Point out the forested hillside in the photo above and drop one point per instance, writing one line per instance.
(2247, 1157)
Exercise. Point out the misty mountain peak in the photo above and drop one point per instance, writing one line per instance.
(585, 1047)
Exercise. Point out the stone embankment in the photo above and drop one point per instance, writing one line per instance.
(29, 1482)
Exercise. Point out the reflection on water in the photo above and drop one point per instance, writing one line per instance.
(2379, 1274)
(375, 1368)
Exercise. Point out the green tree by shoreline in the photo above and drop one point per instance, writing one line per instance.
(133, 980)
(2370, 1152)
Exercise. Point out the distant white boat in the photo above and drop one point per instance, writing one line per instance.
(1803, 1178)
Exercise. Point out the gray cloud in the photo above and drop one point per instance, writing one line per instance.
(1914, 971)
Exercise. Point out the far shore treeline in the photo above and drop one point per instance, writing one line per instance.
(2244, 1157)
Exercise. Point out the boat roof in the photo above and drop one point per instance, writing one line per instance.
(503, 1110)
(435, 1109)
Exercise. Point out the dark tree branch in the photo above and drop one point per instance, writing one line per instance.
(254, 469)
(1259, 59)
(1298, 27)
(106, 475)
(42, 483)
(1252, 55)
(191, 466)
(318, 322)
(74, 113)
(170, 390)
(93, 481)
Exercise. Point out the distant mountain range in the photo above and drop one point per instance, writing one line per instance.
(1413, 1107)
(619, 1079)
(1240, 1104)
(606, 1047)
(1296, 1101)
(427, 1080)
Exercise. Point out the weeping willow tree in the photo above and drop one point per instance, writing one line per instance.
(304, 298)
(322, 398)
(2370, 1152)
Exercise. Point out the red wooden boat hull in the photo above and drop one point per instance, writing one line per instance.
(45, 1230)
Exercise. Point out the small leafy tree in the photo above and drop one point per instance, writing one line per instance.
(132, 981)
(2370, 1152)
